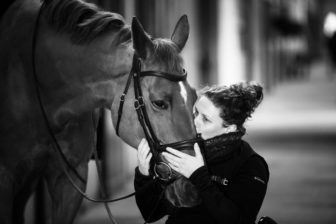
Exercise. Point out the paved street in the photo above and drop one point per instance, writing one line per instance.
(295, 130)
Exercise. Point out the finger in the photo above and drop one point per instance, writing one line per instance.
(144, 150)
(141, 146)
(140, 150)
(172, 163)
(145, 154)
(175, 152)
(197, 150)
(172, 159)
(174, 167)
(149, 156)
(142, 155)
(141, 143)
(145, 142)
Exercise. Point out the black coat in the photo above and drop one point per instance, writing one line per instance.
(232, 186)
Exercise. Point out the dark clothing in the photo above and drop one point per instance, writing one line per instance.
(232, 186)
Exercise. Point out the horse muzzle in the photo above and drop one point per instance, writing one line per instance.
(164, 172)
(178, 189)
(160, 167)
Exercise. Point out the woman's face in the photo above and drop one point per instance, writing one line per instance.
(207, 118)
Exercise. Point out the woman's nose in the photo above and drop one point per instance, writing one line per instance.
(196, 121)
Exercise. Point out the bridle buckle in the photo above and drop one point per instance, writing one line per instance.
(138, 103)
(122, 97)
(158, 176)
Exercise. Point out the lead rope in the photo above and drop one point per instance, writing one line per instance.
(102, 188)
(56, 146)
(39, 96)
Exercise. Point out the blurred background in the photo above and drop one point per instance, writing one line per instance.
(289, 46)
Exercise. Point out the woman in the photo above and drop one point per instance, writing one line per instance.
(230, 177)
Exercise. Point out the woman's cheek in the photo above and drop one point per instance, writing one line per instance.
(210, 128)
(205, 130)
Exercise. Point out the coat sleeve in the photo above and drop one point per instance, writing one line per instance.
(149, 197)
(240, 201)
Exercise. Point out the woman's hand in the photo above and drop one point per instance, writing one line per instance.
(184, 163)
(144, 157)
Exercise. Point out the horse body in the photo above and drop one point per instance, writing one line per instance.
(75, 77)
(26, 151)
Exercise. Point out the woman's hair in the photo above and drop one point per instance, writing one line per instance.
(236, 102)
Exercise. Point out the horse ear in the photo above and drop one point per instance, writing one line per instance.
(141, 41)
(181, 32)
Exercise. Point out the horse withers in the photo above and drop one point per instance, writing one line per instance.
(69, 58)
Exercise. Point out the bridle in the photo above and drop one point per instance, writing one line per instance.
(154, 143)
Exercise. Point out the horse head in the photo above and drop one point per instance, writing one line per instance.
(168, 105)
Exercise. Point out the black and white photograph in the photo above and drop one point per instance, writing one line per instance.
(168, 111)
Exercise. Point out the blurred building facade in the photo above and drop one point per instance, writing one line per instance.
(234, 40)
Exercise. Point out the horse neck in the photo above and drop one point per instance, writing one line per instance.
(79, 78)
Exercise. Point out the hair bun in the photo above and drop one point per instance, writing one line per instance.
(253, 94)
(257, 92)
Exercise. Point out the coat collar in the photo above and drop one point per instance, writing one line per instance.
(218, 146)
(223, 139)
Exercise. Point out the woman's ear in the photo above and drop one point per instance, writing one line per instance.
(231, 128)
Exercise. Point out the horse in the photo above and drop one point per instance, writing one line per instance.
(62, 60)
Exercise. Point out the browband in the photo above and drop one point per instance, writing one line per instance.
(170, 76)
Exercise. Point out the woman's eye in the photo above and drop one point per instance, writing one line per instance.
(205, 119)
(160, 104)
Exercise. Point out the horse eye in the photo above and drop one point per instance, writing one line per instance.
(160, 104)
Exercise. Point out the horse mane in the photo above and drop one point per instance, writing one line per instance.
(84, 21)
(167, 53)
